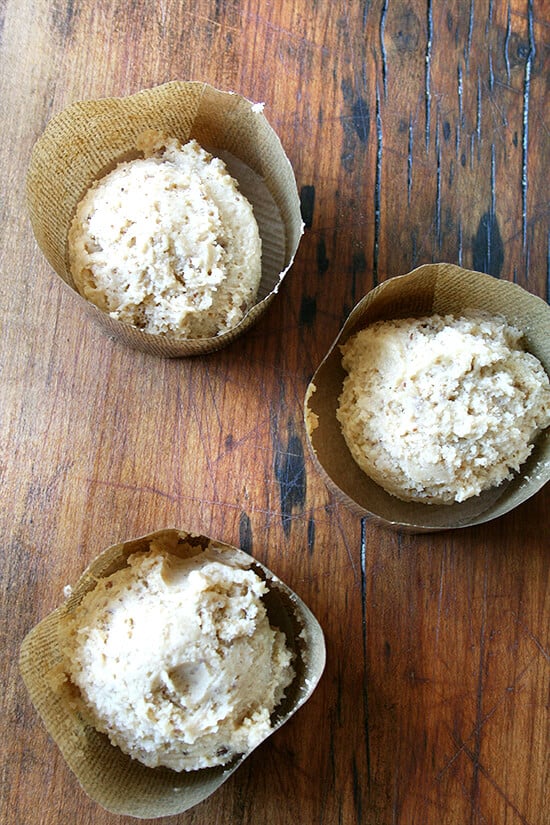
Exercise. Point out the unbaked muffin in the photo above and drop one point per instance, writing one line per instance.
(175, 659)
(438, 409)
(168, 243)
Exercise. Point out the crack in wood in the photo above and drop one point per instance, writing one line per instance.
(428, 68)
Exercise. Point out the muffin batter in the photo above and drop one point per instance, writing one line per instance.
(438, 409)
(167, 243)
(176, 661)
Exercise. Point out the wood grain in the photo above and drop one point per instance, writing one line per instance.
(418, 132)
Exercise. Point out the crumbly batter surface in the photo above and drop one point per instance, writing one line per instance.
(438, 409)
(167, 243)
(176, 661)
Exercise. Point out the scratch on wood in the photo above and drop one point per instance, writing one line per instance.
(487, 246)
(478, 112)
(141, 488)
(525, 135)
(350, 554)
(363, 554)
(507, 43)
(497, 788)
(489, 22)
(383, 47)
(427, 81)
(462, 746)
(414, 248)
(409, 161)
(533, 638)
(460, 248)
(377, 189)
(399, 544)
(468, 46)
(460, 120)
(493, 184)
(215, 399)
(495, 251)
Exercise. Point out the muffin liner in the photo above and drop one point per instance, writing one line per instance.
(86, 140)
(429, 289)
(114, 780)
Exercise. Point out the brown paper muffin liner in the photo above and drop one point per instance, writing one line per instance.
(114, 780)
(87, 139)
(429, 289)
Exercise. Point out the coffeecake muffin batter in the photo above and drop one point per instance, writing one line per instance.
(167, 243)
(175, 659)
(438, 409)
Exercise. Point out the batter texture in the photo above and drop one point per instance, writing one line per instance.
(438, 409)
(167, 243)
(176, 661)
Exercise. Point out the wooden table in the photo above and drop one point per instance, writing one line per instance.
(417, 132)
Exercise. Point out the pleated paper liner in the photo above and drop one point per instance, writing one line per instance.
(114, 780)
(433, 288)
(87, 140)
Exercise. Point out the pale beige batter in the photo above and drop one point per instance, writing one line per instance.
(176, 661)
(167, 243)
(439, 409)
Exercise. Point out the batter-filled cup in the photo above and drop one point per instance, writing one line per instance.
(87, 140)
(432, 289)
(115, 780)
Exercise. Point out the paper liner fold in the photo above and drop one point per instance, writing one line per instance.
(88, 138)
(429, 289)
(114, 780)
